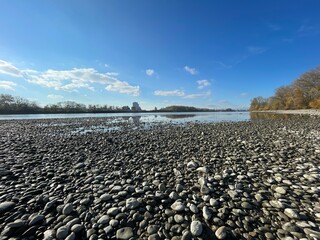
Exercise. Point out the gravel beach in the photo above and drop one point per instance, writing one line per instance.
(315, 112)
(102, 179)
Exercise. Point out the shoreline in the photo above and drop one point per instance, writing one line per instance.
(312, 112)
(226, 180)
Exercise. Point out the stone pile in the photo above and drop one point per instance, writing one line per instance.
(245, 180)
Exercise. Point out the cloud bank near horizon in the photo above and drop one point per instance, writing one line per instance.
(70, 80)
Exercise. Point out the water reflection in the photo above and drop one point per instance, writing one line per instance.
(177, 116)
(126, 118)
(136, 119)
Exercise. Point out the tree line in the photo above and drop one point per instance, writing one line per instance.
(303, 93)
(16, 105)
(179, 108)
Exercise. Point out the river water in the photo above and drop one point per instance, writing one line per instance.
(158, 117)
(143, 117)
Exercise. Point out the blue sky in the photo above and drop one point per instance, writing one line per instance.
(204, 53)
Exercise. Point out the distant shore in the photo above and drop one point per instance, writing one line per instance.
(298, 111)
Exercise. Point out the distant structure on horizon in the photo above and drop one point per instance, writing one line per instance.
(135, 107)
(126, 108)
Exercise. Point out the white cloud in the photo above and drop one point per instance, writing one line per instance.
(244, 94)
(72, 87)
(124, 87)
(7, 85)
(199, 95)
(71, 80)
(176, 93)
(190, 70)
(107, 65)
(150, 72)
(203, 83)
(82, 78)
(44, 83)
(56, 97)
(113, 74)
(9, 69)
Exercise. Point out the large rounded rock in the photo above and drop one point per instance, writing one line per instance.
(113, 211)
(221, 232)
(38, 219)
(207, 214)
(291, 213)
(281, 190)
(62, 232)
(196, 228)
(178, 206)
(105, 197)
(67, 209)
(6, 207)
(132, 203)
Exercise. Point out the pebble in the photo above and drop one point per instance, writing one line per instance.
(152, 229)
(67, 209)
(178, 218)
(221, 232)
(132, 203)
(291, 213)
(193, 208)
(244, 180)
(113, 211)
(192, 165)
(6, 207)
(186, 236)
(77, 228)
(105, 197)
(206, 213)
(38, 219)
(49, 234)
(281, 190)
(124, 233)
(104, 219)
(62, 232)
(178, 206)
(196, 228)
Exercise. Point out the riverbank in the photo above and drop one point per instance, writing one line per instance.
(313, 112)
(244, 180)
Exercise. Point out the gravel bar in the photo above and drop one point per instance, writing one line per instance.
(100, 179)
